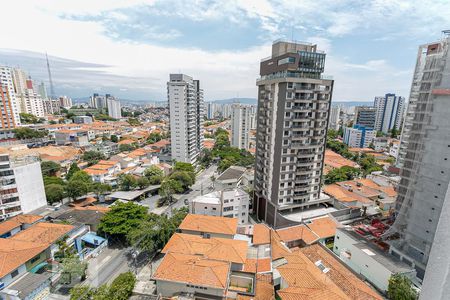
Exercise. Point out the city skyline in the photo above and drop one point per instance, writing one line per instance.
(130, 37)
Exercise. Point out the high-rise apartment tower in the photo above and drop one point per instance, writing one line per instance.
(424, 188)
(293, 106)
(186, 116)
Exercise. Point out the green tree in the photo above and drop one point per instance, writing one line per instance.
(72, 170)
(72, 266)
(142, 182)
(183, 177)
(22, 133)
(332, 134)
(154, 174)
(154, 137)
(134, 122)
(81, 176)
(183, 166)
(127, 182)
(168, 188)
(126, 147)
(122, 218)
(154, 233)
(53, 180)
(394, 132)
(100, 188)
(400, 288)
(81, 292)
(342, 174)
(102, 293)
(93, 157)
(76, 188)
(79, 184)
(28, 118)
(114, 138)
(50, 168)
(122, 287)
(54, 193)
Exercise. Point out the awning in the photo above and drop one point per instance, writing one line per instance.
(38, 267)
(92, 239)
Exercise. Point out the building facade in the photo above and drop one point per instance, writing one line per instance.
(389, 112)
(242, 120)
(231, 203)
(358, 136)
(424, 152)
(365, 116)
(335, 112)
(22, 186)
(293, 106)
(7, 112)
(65, 102)
(114, 109)
(6, 80)
(186, 116)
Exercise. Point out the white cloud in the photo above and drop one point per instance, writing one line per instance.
(224, 73)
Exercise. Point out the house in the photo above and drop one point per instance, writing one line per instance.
(29, 286)
(18, 257)
(297, 236)
(207, 266)
(17, 223)
(47, 233)
(77, 138)
(104, 171)
(312, 273)
(209, 226)
(230, 178)
(191, 274)
(369, 260)
(232, 203)
(334, 160)
(234, 251)
(125, 160)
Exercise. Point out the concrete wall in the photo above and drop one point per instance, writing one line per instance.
(219, 235)
(30, 186)
(360, 262)
(170, 288)
(8, 279)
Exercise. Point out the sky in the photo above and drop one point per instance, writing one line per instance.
(129, 47)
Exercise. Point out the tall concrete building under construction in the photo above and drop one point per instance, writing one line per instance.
(423, 202)
(293, 107)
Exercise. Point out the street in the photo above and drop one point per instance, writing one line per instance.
(106, 267)
(203, 184)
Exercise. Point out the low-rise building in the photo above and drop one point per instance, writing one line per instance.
(334, 160)
(82, 120)
(209, 226)
(230, 178)
(104, 171)
(368, 259)
(231, 203)
(77, 138)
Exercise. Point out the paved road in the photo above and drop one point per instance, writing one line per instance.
(203, 184)
(106, 267)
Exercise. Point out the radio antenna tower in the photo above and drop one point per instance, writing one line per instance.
(52, 90)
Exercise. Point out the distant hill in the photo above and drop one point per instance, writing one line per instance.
(236, 100)
(352, 103)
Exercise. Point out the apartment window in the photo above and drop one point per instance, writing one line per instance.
(35, 259)
(14, 273)
(214, 208)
